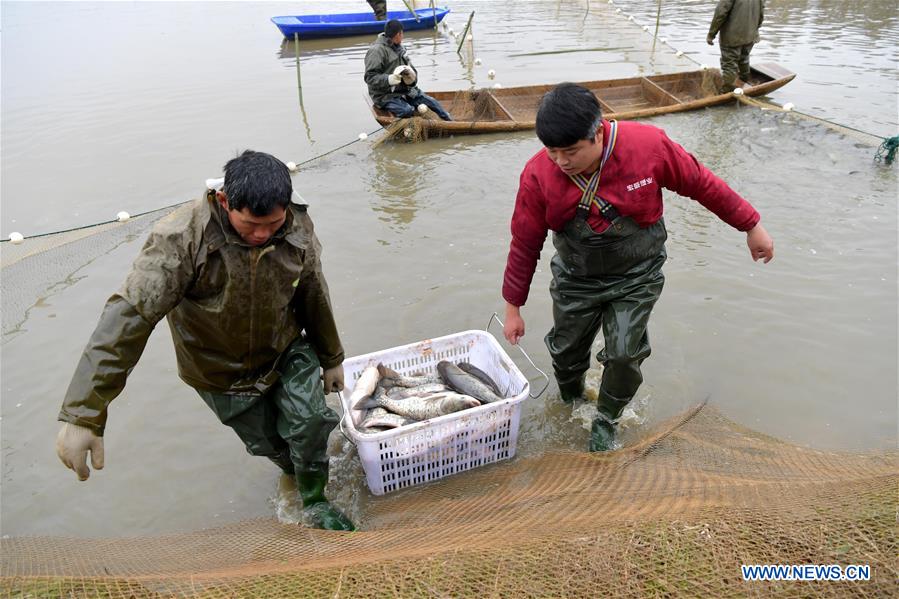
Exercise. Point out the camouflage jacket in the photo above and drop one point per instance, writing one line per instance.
(737, 21)
(380, 61)
(232, 309)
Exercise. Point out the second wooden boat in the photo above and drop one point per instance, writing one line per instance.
(515, 108)
(361, 23)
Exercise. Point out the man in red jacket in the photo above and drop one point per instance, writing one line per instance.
(597, 185)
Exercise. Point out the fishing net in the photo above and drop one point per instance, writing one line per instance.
(676, 514)
(474, 106)
(34, 268)
(862, 136)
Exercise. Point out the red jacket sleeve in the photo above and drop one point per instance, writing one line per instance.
(683, 174)
(528, 234)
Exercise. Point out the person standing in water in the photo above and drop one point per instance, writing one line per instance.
(238, 275)
(597, 185)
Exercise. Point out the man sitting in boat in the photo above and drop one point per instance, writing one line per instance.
(392, 79)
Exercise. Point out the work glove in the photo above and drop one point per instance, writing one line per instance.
(72, 444)
(710, 40)
(408, 76)
(395, 77)
(333, 379)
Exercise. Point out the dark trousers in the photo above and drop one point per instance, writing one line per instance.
(290, 424)
(404, 106)
(380, 8)
(734, 61)
(621, 306)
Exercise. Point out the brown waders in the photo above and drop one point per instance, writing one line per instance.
(290, 426)
(610, 279)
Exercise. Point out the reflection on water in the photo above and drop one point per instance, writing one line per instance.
(400, 185)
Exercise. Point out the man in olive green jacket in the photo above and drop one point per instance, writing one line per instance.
(392, 80)
(737, 22)
(238, 275)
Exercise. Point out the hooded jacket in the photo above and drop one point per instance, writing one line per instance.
(232, 309)
(380, 61)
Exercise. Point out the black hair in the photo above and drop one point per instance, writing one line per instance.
(567, 114)
(257, 181)
(392, 28)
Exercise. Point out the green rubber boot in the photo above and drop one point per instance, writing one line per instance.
(602, 434)
(311, 487)
(572, 391)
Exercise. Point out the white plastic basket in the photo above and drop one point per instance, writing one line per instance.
(432, 449)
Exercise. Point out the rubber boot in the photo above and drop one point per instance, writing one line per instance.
(283, 461)
(602, 434)
(573, 390)
(311, 487)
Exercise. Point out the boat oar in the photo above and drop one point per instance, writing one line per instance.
(566, 51)
(414, 14)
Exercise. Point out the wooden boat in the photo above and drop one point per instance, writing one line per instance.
(515, 108)
(362, 23)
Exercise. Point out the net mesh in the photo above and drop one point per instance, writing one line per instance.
(675, 515)
(474, 106)
(862, 136)
(40, 265)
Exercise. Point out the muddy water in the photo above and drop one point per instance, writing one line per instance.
(131, 106)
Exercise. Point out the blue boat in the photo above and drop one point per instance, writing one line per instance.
(361, 23)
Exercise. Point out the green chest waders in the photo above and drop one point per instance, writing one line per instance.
(290, 426)
(610, 280)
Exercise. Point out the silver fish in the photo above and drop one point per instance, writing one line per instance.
(371, 401)
(481, 376)
(362, 390)
(465, 383)
(381, 418)
(391, 378)
(421, 390)
(375, 429)
(429, 406)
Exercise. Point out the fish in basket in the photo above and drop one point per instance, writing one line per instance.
(425, 410)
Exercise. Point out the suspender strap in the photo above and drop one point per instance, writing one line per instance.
(590, 186)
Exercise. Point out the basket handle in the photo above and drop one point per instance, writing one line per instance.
(345, 414)
(524, 353)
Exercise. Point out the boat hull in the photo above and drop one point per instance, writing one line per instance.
(346, 24)
(515, 108)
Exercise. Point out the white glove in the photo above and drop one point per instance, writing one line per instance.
(72, 444)
(393, 79)
(408, 76)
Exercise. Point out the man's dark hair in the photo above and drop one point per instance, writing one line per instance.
(392, 28)
(257, 181)
(567, 114)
